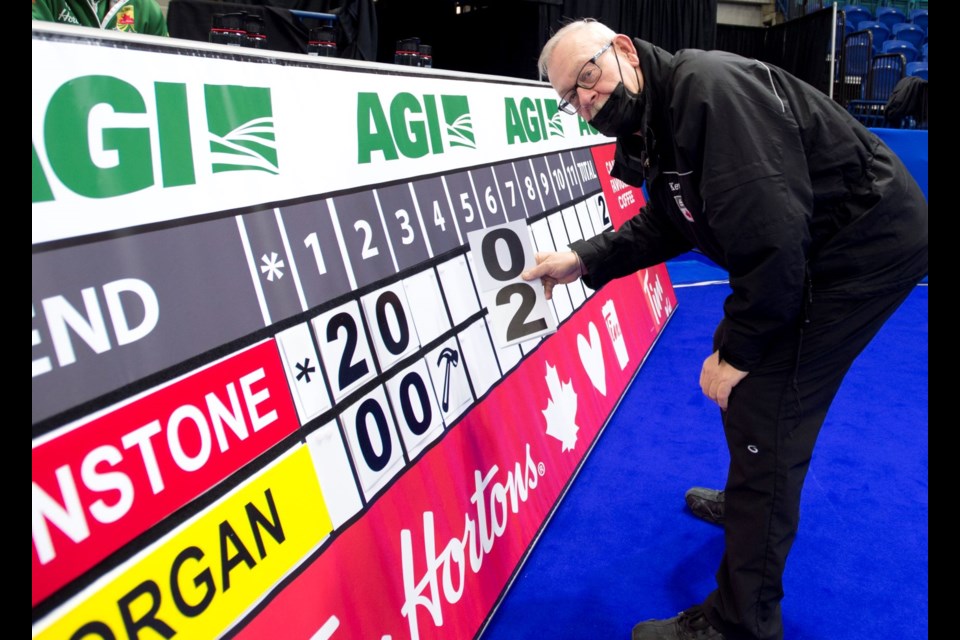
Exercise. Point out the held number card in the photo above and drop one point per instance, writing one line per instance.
(518, 309)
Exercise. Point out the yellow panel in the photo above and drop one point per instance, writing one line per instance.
(198, 581)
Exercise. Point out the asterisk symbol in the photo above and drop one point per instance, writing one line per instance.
(305, 369)
(271, 266)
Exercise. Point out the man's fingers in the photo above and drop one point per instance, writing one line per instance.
(548, 284)
(721, 399)
(721, 394)
(538, 271)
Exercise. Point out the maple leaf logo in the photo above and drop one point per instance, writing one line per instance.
(561, 411)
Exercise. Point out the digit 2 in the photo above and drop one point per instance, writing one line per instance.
(604, 216)
(518, 327)
(349, 371)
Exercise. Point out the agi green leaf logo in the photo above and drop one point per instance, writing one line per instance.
(456, 112)
(240, 121)
(555, 125)
(411, 126)
(102, 156)
(532, 120)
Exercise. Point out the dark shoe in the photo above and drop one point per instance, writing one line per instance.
(707, 504)
(688, 625)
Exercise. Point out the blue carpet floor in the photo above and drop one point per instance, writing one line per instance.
(621, 547)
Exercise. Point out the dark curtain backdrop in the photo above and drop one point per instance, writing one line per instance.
(356, 22)
(746, 41)
(677, 24)
(504, 37)
(190, 20)
(669, 24)
(800, 46)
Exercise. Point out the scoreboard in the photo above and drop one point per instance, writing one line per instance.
(274, 392)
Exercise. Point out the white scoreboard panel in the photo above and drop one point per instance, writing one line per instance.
(258, 326)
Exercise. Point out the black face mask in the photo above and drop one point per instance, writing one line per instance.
(622, 113)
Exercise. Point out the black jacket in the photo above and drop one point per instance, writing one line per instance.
(769, 178)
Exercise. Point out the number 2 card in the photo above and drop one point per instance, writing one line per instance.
(518, 309)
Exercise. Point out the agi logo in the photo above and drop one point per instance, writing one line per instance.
(98, 136)
(240, 121)
(411, 126)
(532, 120)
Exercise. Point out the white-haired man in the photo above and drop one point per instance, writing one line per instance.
(823, 232)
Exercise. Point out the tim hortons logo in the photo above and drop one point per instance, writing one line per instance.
(444, 577)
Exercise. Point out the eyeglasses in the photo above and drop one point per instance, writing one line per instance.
(588, 78)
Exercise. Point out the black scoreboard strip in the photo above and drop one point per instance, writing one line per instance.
(184, 290)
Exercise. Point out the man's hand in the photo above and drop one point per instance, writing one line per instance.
(554, 268)
(717, 379)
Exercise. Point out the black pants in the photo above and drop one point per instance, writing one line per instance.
(771, 425)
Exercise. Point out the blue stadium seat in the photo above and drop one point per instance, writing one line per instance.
(856, 57)
(891, 16)
(856, 14)
(886, 70)
(917, 68)
(879, 30)
(919, 18)
(923, 51)
(912, 33)
(910, 52)
(903, 5)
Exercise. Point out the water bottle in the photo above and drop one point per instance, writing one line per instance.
(227, 28)
(254, 27)
(322, 41)
(426, 55)
(407, 52)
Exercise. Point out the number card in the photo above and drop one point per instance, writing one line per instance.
(303, 370)
(518, 309)
(415, 405)
(373, 442)
(346, 353)
(332, 465)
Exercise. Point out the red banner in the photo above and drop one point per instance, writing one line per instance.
(623, 200)
(99, 484)
(431, 557)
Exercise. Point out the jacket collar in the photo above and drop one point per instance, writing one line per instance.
(637, 156)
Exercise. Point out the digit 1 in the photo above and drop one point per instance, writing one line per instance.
(313, 242)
